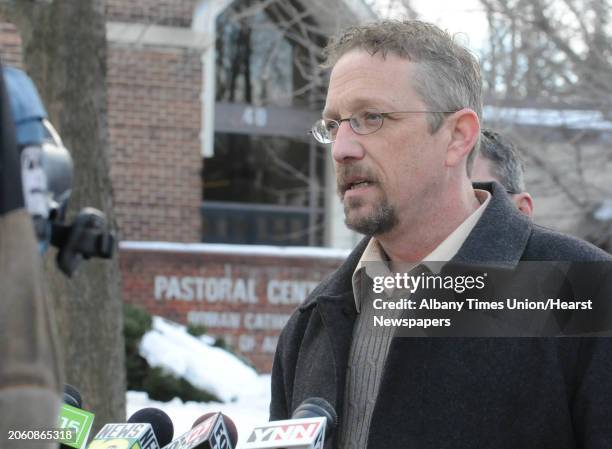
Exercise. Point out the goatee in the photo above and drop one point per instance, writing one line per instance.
(379, 221)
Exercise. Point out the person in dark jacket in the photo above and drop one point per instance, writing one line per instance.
(402, 114)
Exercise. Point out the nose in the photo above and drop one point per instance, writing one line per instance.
(347, 145)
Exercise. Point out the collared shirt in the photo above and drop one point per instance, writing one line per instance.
(444, 252)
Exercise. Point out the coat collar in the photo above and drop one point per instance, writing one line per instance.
(501, 234)
(338, 284)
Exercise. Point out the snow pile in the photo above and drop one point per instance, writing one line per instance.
(168, 346)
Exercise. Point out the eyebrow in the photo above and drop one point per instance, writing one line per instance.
(356, 104)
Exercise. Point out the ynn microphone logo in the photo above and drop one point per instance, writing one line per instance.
(285, 432)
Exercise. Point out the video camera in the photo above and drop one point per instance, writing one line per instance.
(47, 173)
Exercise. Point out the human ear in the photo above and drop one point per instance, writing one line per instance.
(464, 131)
(524, 203)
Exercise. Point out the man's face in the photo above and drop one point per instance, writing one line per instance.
(388, 177)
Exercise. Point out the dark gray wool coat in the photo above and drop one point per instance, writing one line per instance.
(459, 393)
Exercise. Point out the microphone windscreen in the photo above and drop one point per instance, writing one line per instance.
(316, 407)
(160, 422)
(202, 418)
(72, 396)
(229, 423)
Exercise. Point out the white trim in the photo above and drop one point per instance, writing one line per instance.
(242, 250)
(156, 35)
(204, 20)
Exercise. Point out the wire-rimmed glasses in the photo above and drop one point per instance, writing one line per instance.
(363, 122)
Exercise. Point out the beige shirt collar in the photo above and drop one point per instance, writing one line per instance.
(444, 252)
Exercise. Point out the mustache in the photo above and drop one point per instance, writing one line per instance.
(345, 174)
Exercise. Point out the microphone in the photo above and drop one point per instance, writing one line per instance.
(209, 431)
(318, 407)
(72, 396)
(144, 430)
(312, 422)
(159, 420)
(73, 418)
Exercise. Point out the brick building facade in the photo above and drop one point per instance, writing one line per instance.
(154, 85)
(154, 122)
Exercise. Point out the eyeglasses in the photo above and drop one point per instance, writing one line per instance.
(363, 123)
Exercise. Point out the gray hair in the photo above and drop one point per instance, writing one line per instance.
(505, 158)
(446, 77)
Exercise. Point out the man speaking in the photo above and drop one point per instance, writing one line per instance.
(402, 119)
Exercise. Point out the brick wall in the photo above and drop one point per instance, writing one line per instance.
(244, 298)
(154, 122)
(158, 12)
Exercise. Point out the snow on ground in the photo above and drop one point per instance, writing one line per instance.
(246, 394)
(168, 346)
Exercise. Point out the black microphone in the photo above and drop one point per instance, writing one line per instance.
(144, 430)
(209, 431)
(312, 422)
(74, 419)
(318, 407)
(72, 396)
(159, 420)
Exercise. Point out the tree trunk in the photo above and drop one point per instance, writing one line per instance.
(64, 45)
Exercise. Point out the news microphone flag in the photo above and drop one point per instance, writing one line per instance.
(305, 433)
(77, 420)
(125, 436)
(209, 434)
